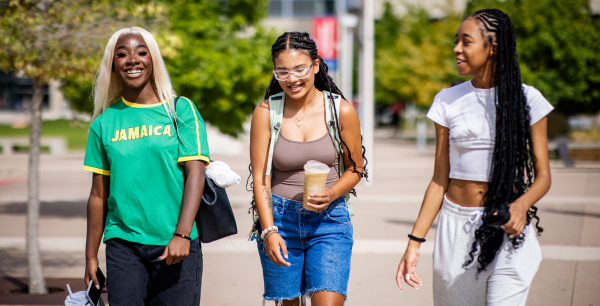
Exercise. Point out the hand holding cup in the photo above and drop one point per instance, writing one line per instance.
(315, 177)
(320, 201)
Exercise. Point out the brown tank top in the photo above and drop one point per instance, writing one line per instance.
(289, 157)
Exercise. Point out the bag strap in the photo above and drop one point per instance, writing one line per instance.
(276, 118)
(175, 108)
(331, 127)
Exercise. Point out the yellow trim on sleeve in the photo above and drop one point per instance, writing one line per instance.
(205, 159)
(140, 105)
(197, 127)
(96, 170)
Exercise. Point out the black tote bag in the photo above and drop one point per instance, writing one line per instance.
(215, 218)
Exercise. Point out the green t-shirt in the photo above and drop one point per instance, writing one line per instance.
(138, 147)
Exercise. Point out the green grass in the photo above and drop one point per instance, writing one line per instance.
(74, 134)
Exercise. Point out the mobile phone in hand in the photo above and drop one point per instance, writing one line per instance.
(93, 293)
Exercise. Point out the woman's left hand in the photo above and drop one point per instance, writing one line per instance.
(320, 200)
(518, 218)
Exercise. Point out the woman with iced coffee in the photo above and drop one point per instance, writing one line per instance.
(305, 250)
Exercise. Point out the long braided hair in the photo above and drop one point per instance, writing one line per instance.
(513, 161)
(323, 82)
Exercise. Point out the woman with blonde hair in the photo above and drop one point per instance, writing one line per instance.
(139, 146)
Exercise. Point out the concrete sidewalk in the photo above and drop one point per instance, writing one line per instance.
(386, 211)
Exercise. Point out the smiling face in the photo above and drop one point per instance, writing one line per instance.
(293, 60)
(473, 54)
(132, 62)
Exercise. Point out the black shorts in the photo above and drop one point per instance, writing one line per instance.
(135, 276)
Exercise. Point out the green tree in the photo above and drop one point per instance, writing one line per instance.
(45, 40)
(414, 58)
(558, 49)
(216, 53)
(220, 57)
(78, 91)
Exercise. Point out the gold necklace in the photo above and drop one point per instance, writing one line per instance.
(299, 123)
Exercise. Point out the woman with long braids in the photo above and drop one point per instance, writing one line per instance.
(491, 167)
(304, 252)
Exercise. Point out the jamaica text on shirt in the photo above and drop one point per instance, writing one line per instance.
(141, 131)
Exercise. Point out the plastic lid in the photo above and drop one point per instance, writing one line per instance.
(316, 166)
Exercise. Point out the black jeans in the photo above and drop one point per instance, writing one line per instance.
(135, 276)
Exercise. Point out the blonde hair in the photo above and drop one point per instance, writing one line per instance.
(107, 89)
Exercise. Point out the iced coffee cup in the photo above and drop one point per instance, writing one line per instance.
(315, 176)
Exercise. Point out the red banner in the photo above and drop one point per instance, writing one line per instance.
(325, 36)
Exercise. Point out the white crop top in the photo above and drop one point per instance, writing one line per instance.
(470, 115)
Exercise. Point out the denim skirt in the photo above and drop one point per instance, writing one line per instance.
(319, 250)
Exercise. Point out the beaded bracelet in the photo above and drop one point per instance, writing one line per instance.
(416, 238)
(182, 236)
(268, 229)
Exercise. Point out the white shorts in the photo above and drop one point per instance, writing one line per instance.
(506, 280)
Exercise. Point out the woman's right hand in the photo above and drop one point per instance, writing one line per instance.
(407, 268)
(91, 265)
(275, 246)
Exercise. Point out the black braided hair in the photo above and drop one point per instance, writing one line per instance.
(513, 160)
(323, 82)
(302, 41)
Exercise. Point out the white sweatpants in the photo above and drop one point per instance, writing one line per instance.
(507, 279)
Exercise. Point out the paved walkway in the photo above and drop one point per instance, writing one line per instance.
(386, 210)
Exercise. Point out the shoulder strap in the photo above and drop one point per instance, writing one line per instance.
(331, 127)
(276, 118)
(330, 119)
(175, 107)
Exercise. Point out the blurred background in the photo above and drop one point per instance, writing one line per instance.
(389, 58)
(218, 54)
